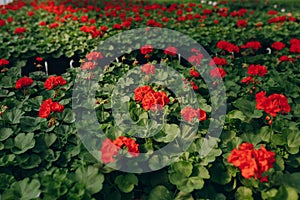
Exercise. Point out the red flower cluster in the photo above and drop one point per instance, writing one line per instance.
(242, 23)
(217, 72)
(148, 69)
(43, 23)
(252, 162)
(188, 113)
(194, 73)
(39, 59)
(49, 106)
(92, 30)
(286, 59)
(227, 46)
(88, 66)
(3, 62)
(273, 104)
(257, 70)
(19, 30)
(255, 45)
(196, 58)
(172, 51)
(150, 99)
(248, 80)
(53, 25)
(279, 19)
(54, 81)
(240, 13)
(111, 148)
(94, 56)
(23, 82)
(278, 46)
(2, 22)
(218, 61)
(146, 49)
(295, 45)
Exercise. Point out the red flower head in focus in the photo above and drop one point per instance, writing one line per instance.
(257, 70)
(146, 49)
(23, 82)
(278, 46)
(252, 162)
(54, 81)
(194, 73)
(110, 148)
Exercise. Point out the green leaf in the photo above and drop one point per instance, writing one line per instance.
(183, 167)
(5, 133)
(126, 182)
(292, 180)
(184, 196)
(90, 178)
(293, 139)
(286, 193)
(243, 193)
(49, 139)
(24, 190)
(236, 114)
(160, 192)
(169, 133)
(13, 116)
(68, 116)
(24, 141)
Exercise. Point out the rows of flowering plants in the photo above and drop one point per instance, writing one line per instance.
(44, 154)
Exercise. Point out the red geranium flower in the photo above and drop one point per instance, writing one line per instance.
(257, 70)
(227, 46)
(110, 148)
(273, 104)
(43, 23)
(172, 51)
(45, 109)
(252, 162)
(146, 49)
(94, 56)
(278, 45)
(242, 23)
(2, 22)
(88, 66)
(218, 61)
(49, 106)
(19, 30)
(23, 82)
(255, 45)
(247, 80)
(194, 73)
(148, 69)
(54, 81)
(3, 62)
(155, 101)
(39, 59)
(189, 113)
(30, 13)
(53, 25)
(217, 72)
(140, 92)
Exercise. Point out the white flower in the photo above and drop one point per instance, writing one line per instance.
(203, 1)
(215, 3)
(282, 10)
(210, 2)
(275, 6)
